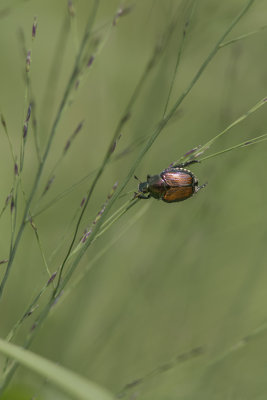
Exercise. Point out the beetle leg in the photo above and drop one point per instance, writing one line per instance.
(197, 188)
(185, 164)
(145, 197)
(142, 196)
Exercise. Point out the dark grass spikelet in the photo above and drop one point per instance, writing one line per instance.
(192, 151)
(90, 61)
(28, 113)
(25, 130)
(12, 204)
(26, 123)
(51, 279)
(3, 122)
(86, 234)
(125, 118)
(114, 145)
(48, 185)
(72, 137)
(30, 312)
(16, 169)
(82, 202)
(67, 145)
(34, 27)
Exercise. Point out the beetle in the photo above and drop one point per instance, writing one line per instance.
(171, 185)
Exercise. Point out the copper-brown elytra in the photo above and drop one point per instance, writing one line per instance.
(171, 185)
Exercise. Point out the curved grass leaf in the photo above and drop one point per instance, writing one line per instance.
(71, 383)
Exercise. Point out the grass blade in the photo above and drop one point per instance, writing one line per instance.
(71, 383)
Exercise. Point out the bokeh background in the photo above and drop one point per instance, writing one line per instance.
(179, 297)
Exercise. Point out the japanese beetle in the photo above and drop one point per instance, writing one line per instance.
(171, 185)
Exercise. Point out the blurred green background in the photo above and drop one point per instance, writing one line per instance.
(184, 276)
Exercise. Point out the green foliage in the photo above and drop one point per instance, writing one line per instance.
(150, 300)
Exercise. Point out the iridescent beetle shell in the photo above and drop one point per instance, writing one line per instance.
(172, 185)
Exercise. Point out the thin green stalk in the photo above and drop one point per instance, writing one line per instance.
(7, 201)
(61, 157)
(236, 347)
(40, 247)
(248, 142)
(92, 261)
(126, 207)
(205, 63)
(167, 366)
(9, 372)
(29, 310)
(236, 122)
(242, 37)
(12, 367)
(195, 153)
(109, 152)
(66, 233)
(23, 139)
(73, 24)
(179, 55)
(27, 106)
(48, 146)
(13, 211)
(35, 129)
(3, 122)
(63, 194)
(48, 101)
(71, 82)
(15, 184)
(108, 223)
(119, 213)
(261, 329)
(55, 70)
(144, 150)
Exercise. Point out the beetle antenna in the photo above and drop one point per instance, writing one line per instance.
(135, 177)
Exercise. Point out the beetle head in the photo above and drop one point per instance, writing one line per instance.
(143, 187)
